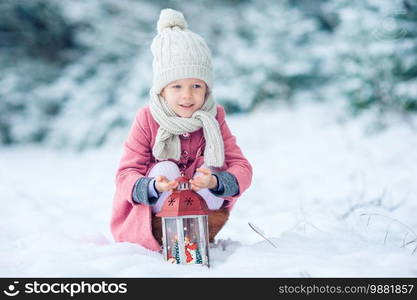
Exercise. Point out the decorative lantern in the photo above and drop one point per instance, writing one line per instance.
(185, 226)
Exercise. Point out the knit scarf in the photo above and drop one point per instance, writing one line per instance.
(168, 144)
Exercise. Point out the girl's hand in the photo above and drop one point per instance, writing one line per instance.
(206, 180)
(162, 184)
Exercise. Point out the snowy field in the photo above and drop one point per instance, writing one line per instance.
(337, 198)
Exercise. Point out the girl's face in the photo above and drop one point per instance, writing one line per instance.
(185, 96)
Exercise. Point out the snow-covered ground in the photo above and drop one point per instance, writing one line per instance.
(338, 200)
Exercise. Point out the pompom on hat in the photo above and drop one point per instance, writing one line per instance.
(178, 52)
(170, 18)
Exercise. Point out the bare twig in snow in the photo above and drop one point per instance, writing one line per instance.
(408, 228)
(261, 233)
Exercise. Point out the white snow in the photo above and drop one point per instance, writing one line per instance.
(337, 197)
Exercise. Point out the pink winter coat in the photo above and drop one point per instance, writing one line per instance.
(130, 221)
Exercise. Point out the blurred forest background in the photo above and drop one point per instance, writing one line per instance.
(73, 73)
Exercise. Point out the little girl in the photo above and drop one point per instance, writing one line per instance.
(181, 131)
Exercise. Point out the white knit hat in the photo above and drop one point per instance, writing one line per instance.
(178, 52)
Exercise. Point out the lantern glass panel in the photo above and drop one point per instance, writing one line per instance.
(192, 241)
(173, 252)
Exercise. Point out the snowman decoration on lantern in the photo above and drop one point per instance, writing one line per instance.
(185, 226)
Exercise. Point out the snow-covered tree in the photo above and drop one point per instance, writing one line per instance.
(373, 54)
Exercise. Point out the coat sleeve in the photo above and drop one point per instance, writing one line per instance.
(136, 156)
(236, 163)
